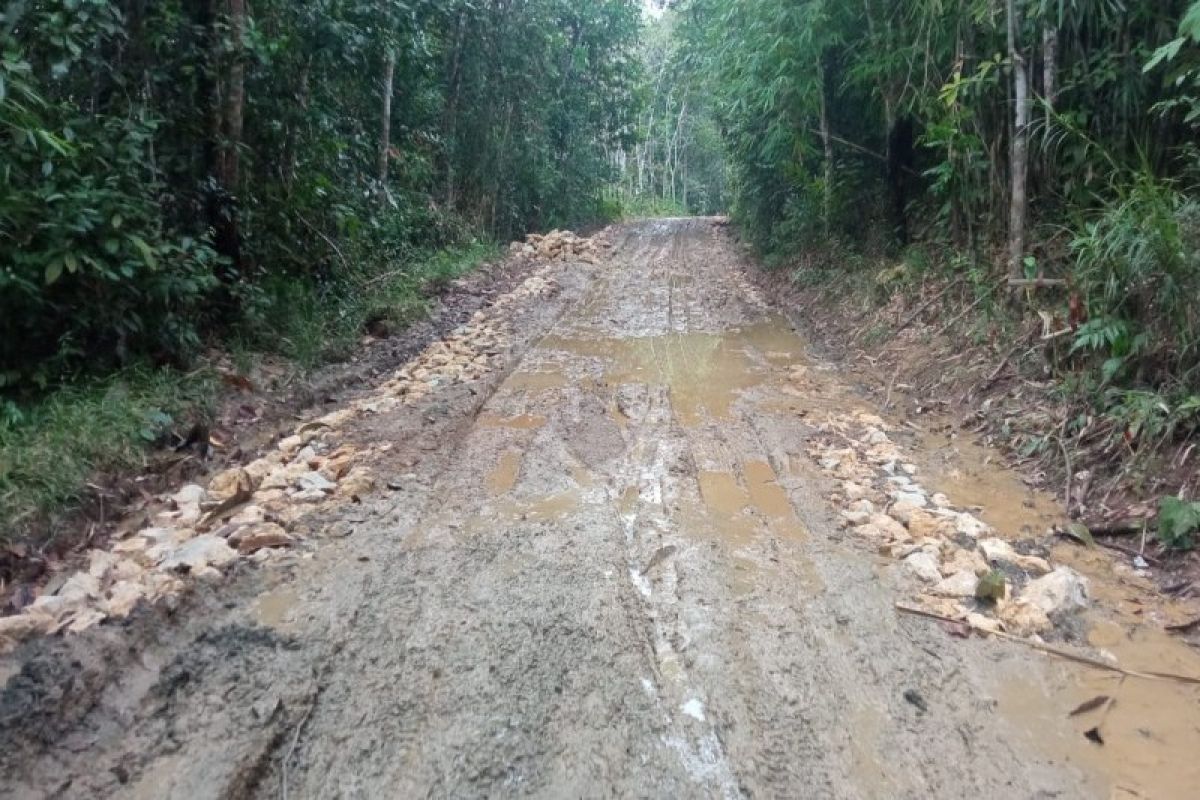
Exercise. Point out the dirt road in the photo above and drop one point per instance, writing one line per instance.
(609, 570)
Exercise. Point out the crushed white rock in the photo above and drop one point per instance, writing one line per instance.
(267, 495)
(947, 550)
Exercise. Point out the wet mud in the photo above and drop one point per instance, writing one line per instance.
(613, 571)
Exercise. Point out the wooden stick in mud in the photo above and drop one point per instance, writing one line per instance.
(1054, 651)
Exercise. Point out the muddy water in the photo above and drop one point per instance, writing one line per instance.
(274, 608)
(1150, 729)
(619, 576)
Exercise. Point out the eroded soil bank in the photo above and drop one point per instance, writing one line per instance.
(614, 558)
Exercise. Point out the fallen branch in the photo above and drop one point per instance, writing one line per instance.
(1054, 651)
(966, 311)
(1035, 283)
(1186, 627)
(1129, 551)
(921, 310)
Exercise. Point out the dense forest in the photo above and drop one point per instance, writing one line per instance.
(174, 169)
(218, 175)
(1040, 153)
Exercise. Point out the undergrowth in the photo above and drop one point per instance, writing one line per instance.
(50, 449)
(53, 445)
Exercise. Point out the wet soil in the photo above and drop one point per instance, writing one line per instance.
(608, 569)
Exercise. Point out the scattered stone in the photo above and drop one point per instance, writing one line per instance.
(875, 436)
(80, 588)
(981, 622)
(21, 626)
(915, 499)
(890, 527)
(998, 551)
(856, 517)
(251, 539)
(924, 524)
(961, 560)
(123, 598)
(203, 551)
(853, 491)
(939, 500)
(903, 511)
(359, 481)
(924, 565)
(230, 483)
(315, 481)
(248, 515)
(968, 525)
(84, 619)
(290, 444)
(1022, 618)
(1062, 591)
(100, 563)
(960, 584)
(190, 495)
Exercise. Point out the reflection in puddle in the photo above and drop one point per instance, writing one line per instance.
(705, 373)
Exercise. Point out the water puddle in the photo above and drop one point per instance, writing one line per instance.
(969, 475)
(274, 608)
(504, 476)
(722, 494)
(1150, 730)
(522, 422)
(535, 381)
(705, 373)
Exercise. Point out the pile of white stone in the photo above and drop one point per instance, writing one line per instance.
(947, 550)
(197, 532)
(562, 246)
(249, 511)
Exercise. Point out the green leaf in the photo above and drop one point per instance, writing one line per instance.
(1178, 521)
(54, 271)
(146, 251)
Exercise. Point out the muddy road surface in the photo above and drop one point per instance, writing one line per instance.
(609, 569)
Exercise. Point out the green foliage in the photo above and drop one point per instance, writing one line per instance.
(53, 447)
(168, 167)
(1178, 522)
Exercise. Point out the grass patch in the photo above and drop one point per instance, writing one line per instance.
(312, 323)
(53, 445)
(51, 448)
(644, 207)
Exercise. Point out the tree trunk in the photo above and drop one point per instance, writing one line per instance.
(1019, 160)
(450, 117)
(235, 95)
(827, 141)
(385, 122)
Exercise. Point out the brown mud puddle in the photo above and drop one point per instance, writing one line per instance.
(705, 373)
(521, 422)
(274, 608)
(1150, 729)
